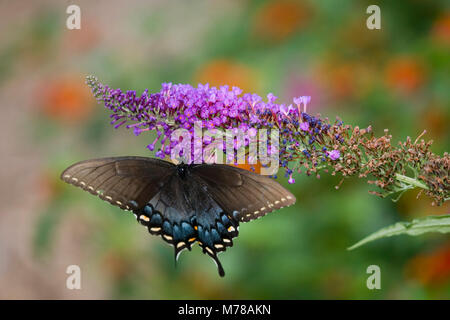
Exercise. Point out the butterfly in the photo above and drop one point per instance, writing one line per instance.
(184, 203)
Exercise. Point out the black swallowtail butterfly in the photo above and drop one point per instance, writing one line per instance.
(184, 204)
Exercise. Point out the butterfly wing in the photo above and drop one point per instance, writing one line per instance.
(161, 200)
(127, 182)
(182, 213)
(239, 196)
(245, 193)
(205, 205)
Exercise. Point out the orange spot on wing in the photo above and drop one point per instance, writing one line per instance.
(248, 167)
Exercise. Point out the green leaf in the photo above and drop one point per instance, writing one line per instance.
(439, 223)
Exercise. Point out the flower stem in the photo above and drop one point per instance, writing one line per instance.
(410, 181)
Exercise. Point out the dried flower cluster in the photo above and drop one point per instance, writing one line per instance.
(435, 173)
(307, 143)
(395, 169)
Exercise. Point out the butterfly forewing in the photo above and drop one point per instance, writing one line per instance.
(127, 182)
(248, 193)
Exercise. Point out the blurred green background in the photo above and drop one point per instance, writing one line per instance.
(396, 78)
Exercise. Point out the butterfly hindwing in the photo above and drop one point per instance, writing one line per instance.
(182, 213)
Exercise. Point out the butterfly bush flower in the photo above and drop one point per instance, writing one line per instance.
(308, 143)
(334, 155)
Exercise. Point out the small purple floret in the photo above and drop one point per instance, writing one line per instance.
(334, 155)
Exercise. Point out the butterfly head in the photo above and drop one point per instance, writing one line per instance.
(182, 170)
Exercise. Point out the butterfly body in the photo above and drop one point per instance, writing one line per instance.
(184, 204)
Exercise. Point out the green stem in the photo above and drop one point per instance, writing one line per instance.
(410, 181)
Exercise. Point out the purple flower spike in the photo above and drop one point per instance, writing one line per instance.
(304, 140)
(175, 106)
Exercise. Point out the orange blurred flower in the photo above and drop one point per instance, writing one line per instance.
(66, 99)
(277, 20)
(404, 74)
(226, 72)
(440, 32)
(432, 268)
(341, 80)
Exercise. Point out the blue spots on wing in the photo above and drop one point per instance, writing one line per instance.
(187, 230)
(167, 228)
(225, 220)
(156, 220)
(177, 234)
(213, 235)
(221, 229)
(148, 210)
(205, 237)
